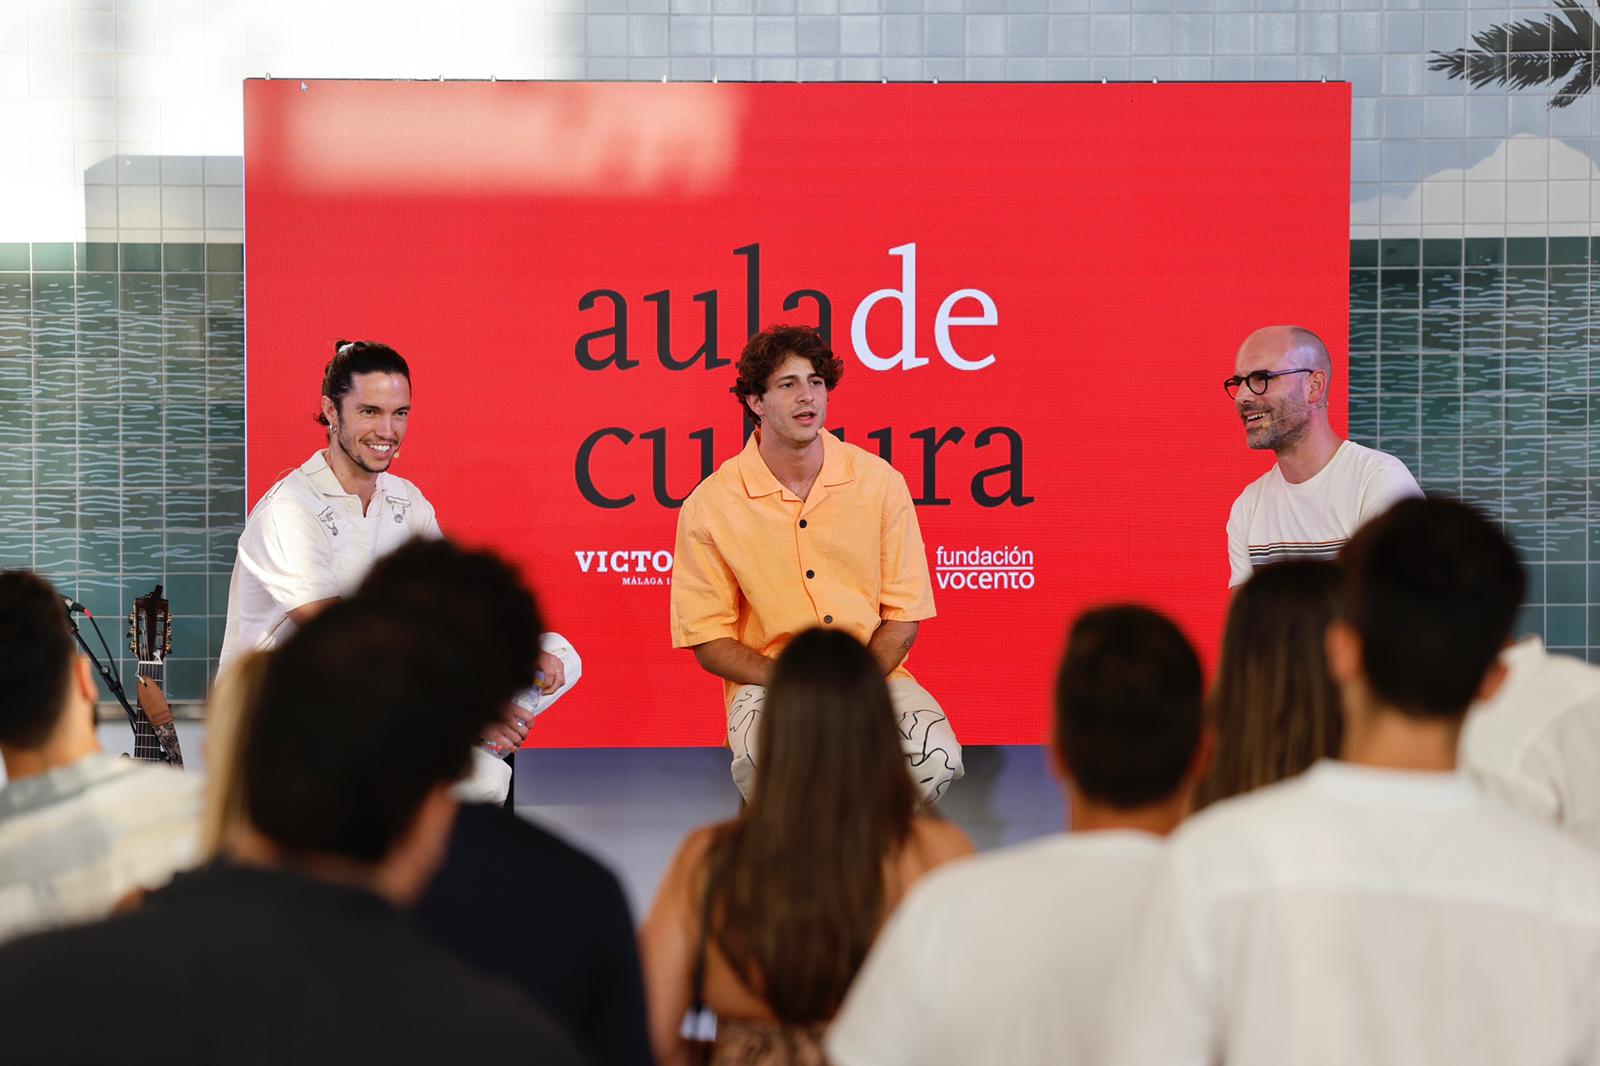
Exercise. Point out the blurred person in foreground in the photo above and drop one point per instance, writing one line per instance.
(1378, 909)
(764, 920)
(571, 946)
(1536, 742)
(1005, 958)
(1273, 705)
(80, 830)
(296, 950)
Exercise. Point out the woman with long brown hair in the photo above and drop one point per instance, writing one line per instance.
(1273, 705)
(765, 919)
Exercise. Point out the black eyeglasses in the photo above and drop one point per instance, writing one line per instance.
(1257, 382)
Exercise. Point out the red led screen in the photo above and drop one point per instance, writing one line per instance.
(1036, 289)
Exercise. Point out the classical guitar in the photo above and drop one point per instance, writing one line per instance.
(150, 640)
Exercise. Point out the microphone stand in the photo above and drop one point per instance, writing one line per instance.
(107, 675)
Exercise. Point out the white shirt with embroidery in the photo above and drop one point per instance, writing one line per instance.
(308, 540)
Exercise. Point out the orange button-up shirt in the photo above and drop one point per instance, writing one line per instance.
(756, 563)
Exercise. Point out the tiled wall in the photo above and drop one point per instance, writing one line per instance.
(122, 431)
(1472, 211)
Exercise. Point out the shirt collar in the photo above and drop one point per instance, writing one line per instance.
(326, 482)
(837, 468)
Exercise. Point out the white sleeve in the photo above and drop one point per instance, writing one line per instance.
(1390, 483)
(1239, 541)
(1159, 1009)
(884, 1021)
(285, 550)
(571, 666)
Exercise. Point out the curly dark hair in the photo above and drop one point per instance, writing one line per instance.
(772, 346)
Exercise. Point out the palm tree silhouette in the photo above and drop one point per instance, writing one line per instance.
(1537, 51)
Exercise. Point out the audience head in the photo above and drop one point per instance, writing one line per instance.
(1275, 709)
(41, 676)
(796, 883)
(828, 731)
(363, 715)
(1128, 708)
(229, 708)
(476, 591)
(1429, 596)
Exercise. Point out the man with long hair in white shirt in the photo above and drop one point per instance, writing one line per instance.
(1379, 908)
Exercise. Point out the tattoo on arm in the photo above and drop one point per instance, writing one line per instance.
(167, 734)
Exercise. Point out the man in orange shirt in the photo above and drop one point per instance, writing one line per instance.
(799, 530)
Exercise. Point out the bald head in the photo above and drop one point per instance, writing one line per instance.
(1295, 345)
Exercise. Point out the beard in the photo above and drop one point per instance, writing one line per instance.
(1285, 429)
(352, 451)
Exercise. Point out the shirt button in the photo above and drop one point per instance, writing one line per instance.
(811, 573)
(828, 618)
(802, 523)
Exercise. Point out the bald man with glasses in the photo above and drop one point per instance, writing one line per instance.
(1323, 487)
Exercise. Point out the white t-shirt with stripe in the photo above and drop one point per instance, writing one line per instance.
(1274, 520)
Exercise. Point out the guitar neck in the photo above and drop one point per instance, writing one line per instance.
(146, 744)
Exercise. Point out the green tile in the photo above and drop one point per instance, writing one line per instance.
(183, 258)
(1440, 252)
(225, 504)
(1399, 331)
(143, 509)
(185, 506)
(225, 294)
(16, 293)
(52, 256)
(1565, 497)
(100, 465)
(16, 424)
(1399, 415)
(1399, 373)
(55, 510)
(14, 257)
(54, 294)
(1441, 332)
(56, 553)
(1567, 412)
(186, 552)
(102, 424)
(97, 255)
(186, 679)
(55, 422)
(185, 294)
(1567, 455)
(1568, 250)
(1565, 625)
(56, 466)
(1524, 458)
(185, 336)
(1363, 332)
(1483, 457)
(1526, 328)
(1566, 542)
(1363, 288)
(100, 552)
(1406, 449)
(144, 465)
(225, 423)
(216, 629)
(1400, 289)
(1441, 417)
(16, 549)
(1442, 289)
(1441, 458)
(1401, 252)
(225, 257)
(1485, 251)
(141, 295)
(1526, 251)
(222, 544)
(218, 593)
(141, 257)
(1525, 413)
(1365, 253)
(187, 595)
(101, 511)
(143, 551)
